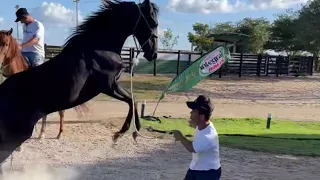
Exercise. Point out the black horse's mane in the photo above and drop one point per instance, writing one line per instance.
(94, 21)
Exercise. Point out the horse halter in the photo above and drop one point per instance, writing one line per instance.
(134, 29)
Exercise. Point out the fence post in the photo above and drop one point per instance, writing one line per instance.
(220, 71)
(280, 64)
(278, 59)
(178, 62)
(259, 65)
(267, 66)
(154, 67)
(315, 64)
(241, 61)
(45, 51)
(287, 64)
(131, 60)
(189, 59)
(310, 65)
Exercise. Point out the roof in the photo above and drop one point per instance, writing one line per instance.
(230, 37)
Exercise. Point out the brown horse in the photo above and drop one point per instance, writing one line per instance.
(12, 62)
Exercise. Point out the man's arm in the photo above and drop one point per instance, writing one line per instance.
(36, 37)
(201, 144)
(187, 144)
(31, 42)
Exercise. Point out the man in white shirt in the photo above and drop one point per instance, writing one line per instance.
(33, 38)
(205, 164)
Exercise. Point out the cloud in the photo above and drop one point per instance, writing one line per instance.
(55, 14)
(275, 4)
(227, 6)
(1, 20)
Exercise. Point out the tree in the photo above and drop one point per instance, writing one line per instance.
(283, 34)
(258, 30)
(168, 40)
(309, 24)
(223, 27)
(200, 38)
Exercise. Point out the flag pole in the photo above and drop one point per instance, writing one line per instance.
(163, 94)
(157, 105)
(161, 97)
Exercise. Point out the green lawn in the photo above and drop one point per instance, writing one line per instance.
(284, 137)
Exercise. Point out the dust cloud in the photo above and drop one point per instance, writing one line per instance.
(41, 172)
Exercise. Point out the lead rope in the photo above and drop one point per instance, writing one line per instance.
(135, 63)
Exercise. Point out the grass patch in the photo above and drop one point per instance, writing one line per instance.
(284, 137)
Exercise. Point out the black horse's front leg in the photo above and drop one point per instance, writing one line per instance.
(125, 127)
(107, 76)
(6, 149)
(117, 92)
(123, 92)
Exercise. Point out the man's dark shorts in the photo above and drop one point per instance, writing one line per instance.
(203, 175)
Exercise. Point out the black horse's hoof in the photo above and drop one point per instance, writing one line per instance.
(116, 136)
(135, 135)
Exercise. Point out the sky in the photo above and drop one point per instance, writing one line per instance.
(58, 16)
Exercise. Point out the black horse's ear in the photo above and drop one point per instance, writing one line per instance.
(9, 32)
(146, 2)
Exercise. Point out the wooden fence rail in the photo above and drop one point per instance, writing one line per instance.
(240, 64)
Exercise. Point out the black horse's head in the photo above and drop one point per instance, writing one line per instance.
(145, 29)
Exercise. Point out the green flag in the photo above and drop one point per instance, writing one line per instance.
(199, 69)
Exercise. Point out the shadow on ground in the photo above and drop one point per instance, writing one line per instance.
(94, 158)
(171, 162)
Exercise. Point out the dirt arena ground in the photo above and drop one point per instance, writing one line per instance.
(86, 151)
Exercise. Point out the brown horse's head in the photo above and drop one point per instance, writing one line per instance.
(11, 60)
(5, 44)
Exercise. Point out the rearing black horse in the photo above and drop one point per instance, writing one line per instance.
(89, 64)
